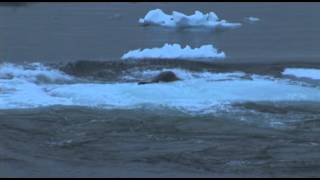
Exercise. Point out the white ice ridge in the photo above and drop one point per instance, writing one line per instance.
(177, 19)
(175, 51)
(303, 73)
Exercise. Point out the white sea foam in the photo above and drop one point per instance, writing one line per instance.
(175, 51)
(303, 73)
(198, 92)
(34, 72)
(25, 94)
(178, 19)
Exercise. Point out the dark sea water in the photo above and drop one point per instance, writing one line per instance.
(105, 31)
(70, 107)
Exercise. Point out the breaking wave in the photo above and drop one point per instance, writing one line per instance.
(197, 92)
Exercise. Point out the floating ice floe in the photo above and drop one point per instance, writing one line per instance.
(175, 51)
(252, 19)
(177, 19)
(303, 73)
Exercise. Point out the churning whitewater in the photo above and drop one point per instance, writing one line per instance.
(36, 85)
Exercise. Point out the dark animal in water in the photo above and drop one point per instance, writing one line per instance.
(166, 76)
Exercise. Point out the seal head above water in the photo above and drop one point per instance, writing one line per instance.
(165, 76)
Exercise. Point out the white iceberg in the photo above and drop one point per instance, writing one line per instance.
(177, 19)
(303, 73)
(175, 51)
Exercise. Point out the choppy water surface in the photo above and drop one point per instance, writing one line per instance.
(69, 107)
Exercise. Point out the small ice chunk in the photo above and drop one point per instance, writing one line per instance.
(252, 19)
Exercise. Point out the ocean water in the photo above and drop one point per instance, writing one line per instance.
(71, 107)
